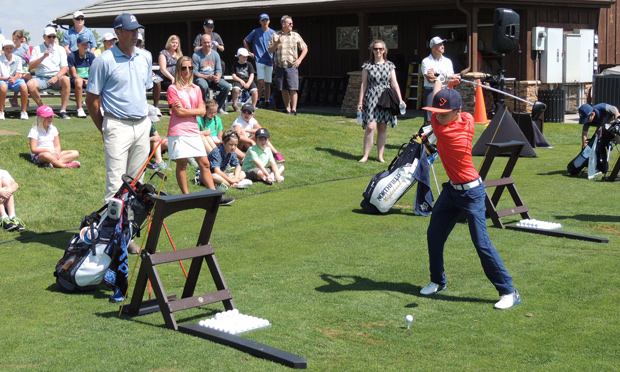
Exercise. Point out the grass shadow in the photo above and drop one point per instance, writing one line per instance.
(98, 293)
(26, 156)
(590, 218)
(340, 283)
(54, 239)
(408, 211)
(338, 153)
(561, 172)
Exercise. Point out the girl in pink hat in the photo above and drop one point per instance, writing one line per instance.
(45, 144)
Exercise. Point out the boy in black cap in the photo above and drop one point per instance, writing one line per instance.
(595, 116)
(208, 25)
(259, 163)
(246, 127)
(464, 193)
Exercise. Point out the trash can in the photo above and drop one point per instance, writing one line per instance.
(555, 99)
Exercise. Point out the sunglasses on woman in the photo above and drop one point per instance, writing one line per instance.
(185, 68)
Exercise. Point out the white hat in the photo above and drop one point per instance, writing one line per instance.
(140, 37)
(108, 36)
(77, 13)
(436, 40)
(7, 43)
(49, 31)
(242, 52)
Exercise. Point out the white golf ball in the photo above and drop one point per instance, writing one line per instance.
(409, 318)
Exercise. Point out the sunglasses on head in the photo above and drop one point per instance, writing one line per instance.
(185, 68)
(230, 135)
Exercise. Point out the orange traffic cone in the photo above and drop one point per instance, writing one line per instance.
(480, 111)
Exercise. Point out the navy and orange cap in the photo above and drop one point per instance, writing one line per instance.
(445, 100)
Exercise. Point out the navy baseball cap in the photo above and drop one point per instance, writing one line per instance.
(446, 100)
(127, 21)
(82, 39)
(263, 16)
(262, 132)
(584, 113)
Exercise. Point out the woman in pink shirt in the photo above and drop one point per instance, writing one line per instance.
(185, 101)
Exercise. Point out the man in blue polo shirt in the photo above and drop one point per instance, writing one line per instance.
(258, 41)
(69, 39)
(120, 76)
(595, 116)
(79, 67)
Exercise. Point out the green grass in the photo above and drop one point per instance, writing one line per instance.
(336, 283)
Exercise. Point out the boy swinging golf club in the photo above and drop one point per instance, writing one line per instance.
(464, 193)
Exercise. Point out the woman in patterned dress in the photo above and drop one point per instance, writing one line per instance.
(377, 75)
(185, 101)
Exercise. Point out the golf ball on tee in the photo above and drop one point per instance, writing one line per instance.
(409, 318)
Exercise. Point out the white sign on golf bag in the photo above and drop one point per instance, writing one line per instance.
(391, 188)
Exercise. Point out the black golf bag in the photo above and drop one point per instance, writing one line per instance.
(98, 253)
(409, 166)
(596, 153)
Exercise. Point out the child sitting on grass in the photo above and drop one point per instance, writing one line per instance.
(8, 186)
(45, 144)
(259, 164)
(223, 158)
(154, 139)
(210, 126)
(246, 126)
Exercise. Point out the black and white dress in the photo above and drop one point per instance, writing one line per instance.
(379, 77)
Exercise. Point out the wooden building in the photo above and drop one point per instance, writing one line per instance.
(338, 32)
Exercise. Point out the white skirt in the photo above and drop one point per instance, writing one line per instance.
(183, 147)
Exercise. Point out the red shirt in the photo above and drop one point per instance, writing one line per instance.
(454, 144)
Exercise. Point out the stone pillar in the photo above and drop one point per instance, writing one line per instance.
(352, 95)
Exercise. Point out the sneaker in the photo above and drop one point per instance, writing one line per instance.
(221, 186)
(133, 248)
(508, 301)
(244, 183)
(23, 115)
(432, 288)
(222, 112)
(161, 166)
(158, 111)
(8, 224)
(49, 166)
(197, 181)
(1, 115)
(81, 113)
(236, 108)
(63, 115)
(294, 113)
(73, 164)
(226, 201)
(279, 158)
(19, 224)
(192, 162)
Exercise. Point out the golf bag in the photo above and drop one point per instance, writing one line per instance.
(410, 165)
(596, 154)
(98, 253)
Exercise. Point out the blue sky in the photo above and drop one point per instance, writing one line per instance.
(34, 15)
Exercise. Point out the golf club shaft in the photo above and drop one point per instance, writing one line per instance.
(497, 91)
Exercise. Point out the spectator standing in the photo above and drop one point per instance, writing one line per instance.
(243, 75)
(11, 78)
(79, 67)
(288, 49)
(49, 61)
(108, 42)
(8, 186)
(69, 40)
(433, 66)
(121, 76)
(258, 41)
(216, 40)
(167, 64)
(208, 73)
(378, 74)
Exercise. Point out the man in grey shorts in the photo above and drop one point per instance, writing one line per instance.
(286, 46)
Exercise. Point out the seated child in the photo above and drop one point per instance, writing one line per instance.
(11, 78)
(224, 158)
(210, 126)
(246, 126)
(259, 164)
(243, 75)
(8, 186)
(45, 144)
(154, 139)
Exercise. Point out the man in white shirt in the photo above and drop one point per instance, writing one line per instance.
(435, 66)
(49, 61)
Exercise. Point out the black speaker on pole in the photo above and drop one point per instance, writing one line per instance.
(505, 31)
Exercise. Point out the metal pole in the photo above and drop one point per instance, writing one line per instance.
(497, 91)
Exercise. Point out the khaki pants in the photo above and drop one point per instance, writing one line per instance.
(126, 145)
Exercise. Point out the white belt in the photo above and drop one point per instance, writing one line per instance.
(466, 186)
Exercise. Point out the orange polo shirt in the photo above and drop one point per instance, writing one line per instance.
(454, 144)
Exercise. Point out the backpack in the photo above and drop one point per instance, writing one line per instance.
(98, 252)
